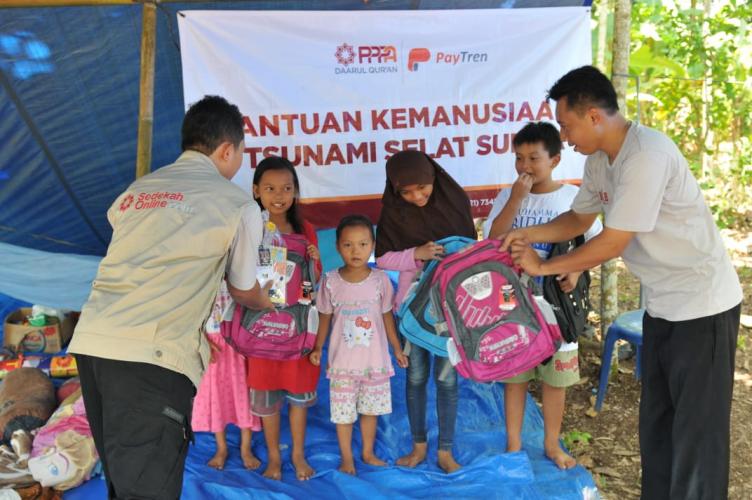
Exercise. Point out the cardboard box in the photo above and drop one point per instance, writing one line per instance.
(49, 338)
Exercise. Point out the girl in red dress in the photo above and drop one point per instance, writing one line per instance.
(276, 189)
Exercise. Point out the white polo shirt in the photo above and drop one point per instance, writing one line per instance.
(241, 263)
(677, 252)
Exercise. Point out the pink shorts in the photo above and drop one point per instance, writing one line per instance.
(349, 397)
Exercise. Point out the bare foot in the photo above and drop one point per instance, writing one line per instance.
(513, 444)
(447, 462)
(373, 460)
(218, 460)
(415, 457)
(274, 468)
(560, 457)
(303, 471)
(347, 466)
(249, 460)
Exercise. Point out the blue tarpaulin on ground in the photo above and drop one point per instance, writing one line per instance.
(480, 444)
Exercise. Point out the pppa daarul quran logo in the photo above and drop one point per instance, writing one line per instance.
(365, 59)
(345, 54)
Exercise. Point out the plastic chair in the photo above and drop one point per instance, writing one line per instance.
(627, 326)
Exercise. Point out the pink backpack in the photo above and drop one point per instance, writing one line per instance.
(498, 328)
(284, 333)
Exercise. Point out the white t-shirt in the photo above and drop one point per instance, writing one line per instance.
(538, 209)
(241, 264)
(677, 252)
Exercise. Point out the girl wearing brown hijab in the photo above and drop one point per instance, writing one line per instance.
(422, 204)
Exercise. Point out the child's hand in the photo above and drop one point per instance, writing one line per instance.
(402, 360)
(429, 251)
(568, 281)
(313, 252)
(215, 350)
(315, 357)
(522, 185)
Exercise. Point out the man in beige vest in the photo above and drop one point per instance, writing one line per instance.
(139, 344)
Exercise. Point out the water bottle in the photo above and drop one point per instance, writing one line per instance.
(272, 236)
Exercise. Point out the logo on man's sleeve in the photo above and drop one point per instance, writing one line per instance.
(126, 203)
(603, 195)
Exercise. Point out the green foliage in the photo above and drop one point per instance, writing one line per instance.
(576, 439)
(695, 84)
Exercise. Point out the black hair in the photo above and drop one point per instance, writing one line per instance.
(540, 132)
(279, 163)
(583, 87)
(210, 122)
(355, 220)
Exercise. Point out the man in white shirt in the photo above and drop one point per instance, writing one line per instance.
(656, 219)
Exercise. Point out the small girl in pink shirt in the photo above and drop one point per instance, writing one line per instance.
(359, 301)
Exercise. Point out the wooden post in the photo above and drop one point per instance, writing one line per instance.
(146, 89)
(620, 62)
(619, 72)
(604, 8)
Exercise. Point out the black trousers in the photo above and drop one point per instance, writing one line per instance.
(685, 408)
(140, 418)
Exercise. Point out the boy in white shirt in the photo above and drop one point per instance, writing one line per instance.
(535, 198)
(655, 217)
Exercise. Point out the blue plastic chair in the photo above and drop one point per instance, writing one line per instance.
(627, 326)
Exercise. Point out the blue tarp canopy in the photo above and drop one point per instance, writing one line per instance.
(69, 98)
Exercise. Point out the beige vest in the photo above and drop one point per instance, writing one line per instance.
(172, 230)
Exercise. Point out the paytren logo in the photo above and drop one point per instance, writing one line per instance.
(417, 55)
(421, 55)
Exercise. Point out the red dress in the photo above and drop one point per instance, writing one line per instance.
(296, 376)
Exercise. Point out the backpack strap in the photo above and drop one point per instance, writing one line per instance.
(422, 296)
(571, 308)
(308, 272)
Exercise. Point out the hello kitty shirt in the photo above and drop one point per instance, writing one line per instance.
(358, 347)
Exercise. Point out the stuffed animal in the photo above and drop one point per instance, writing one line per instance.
(27, 399)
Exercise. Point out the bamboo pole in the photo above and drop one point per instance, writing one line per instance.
(604, 8)
(146, 89)
(619, 76)
(620, 61)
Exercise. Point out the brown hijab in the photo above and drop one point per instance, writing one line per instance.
(403, 225)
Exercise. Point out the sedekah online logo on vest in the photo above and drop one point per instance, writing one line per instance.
(603, 195)
(160, 199)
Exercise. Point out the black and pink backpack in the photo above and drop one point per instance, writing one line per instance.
(284, 333)
(498, 328)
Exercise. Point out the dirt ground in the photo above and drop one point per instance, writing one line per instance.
(606, 443)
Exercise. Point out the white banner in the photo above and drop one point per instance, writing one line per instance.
(339, 92)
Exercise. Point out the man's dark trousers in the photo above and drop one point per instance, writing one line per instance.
(140, 418)
(685, 408)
